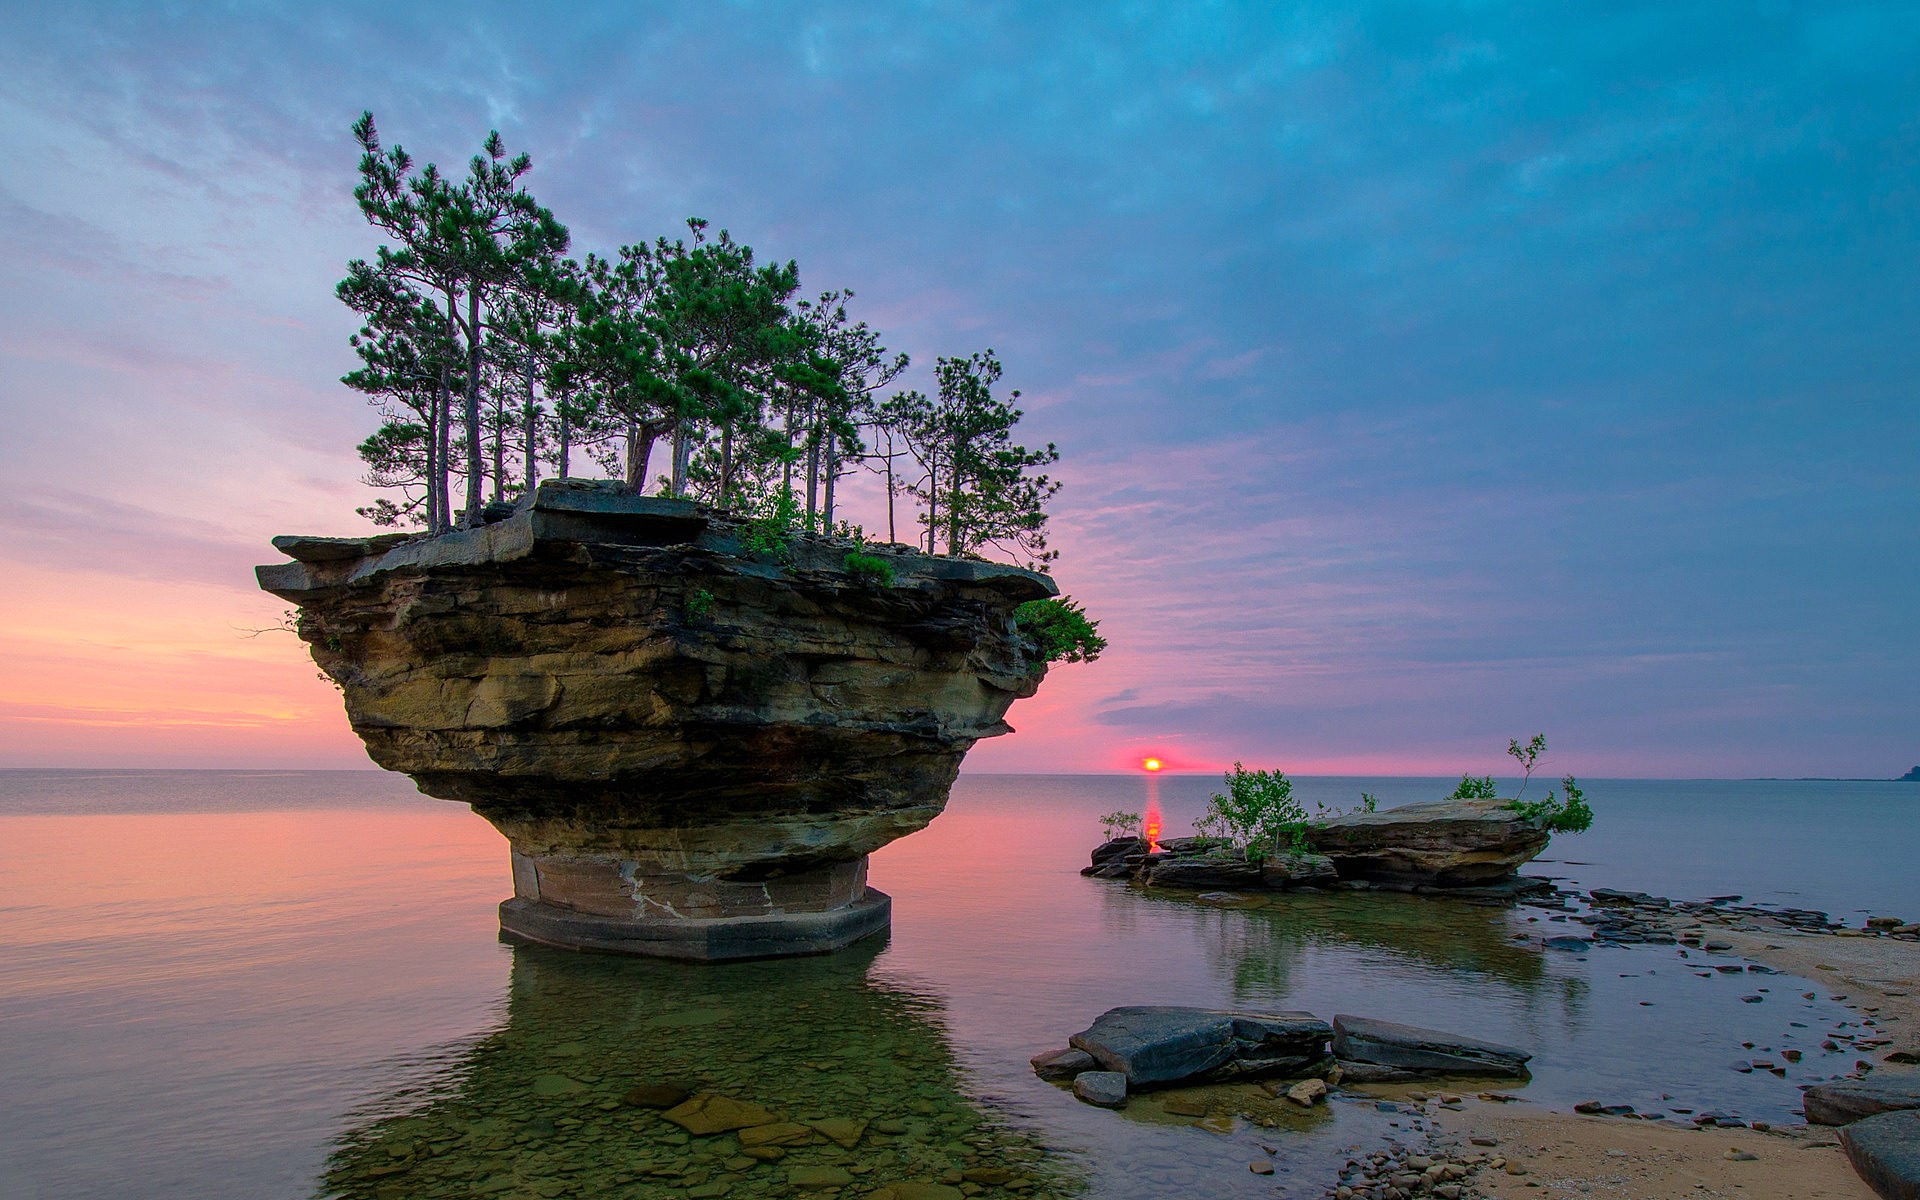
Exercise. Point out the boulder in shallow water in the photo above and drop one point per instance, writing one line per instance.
(1117, 858)
(1445, 843)
(1058, 1066)
(1108, 1089)
(1425, 1051)
(1155, 1045)
(1885, 1150)
(1844, 1101)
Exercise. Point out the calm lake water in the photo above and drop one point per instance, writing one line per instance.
(260, 984)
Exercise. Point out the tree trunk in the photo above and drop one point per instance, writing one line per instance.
(533, 470)
(566, 436)
(786, 464)
(933, 499)
(813, 474)
(953, 505)
(682, 451)
(639, 450)
(892, 536)
(499, 446)
(443, 435)
(433, 463)
(475, 499)
(726, 462)
(826, 488)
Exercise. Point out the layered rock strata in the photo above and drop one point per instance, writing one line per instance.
(1446, 844)
(691, 739)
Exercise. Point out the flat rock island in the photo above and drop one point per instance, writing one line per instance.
(691, 741)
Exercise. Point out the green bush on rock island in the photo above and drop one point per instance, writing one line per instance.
(1256, 834)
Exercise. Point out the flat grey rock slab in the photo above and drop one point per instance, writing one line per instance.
(1885, 1150)
(1847, 1100)
(1108, 1089)
(336, 549)
(1058, 1066)
(1427, 1051)
(1163, 1044)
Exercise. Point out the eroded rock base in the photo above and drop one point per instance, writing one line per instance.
(699, 939)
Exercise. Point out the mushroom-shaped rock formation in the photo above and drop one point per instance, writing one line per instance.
(691, 745)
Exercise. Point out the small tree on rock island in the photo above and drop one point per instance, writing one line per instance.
(979, 486)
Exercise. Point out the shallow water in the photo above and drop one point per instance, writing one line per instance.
(288, 984)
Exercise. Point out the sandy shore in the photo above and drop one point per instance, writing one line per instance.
(1612, 1159)
(1879, 977)
(1567, 1155)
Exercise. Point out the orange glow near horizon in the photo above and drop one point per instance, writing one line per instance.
(1151, 764)
(1151, 824)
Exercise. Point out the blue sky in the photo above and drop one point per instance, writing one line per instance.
(1425, 374)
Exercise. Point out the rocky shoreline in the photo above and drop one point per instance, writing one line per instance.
(1458, 1146)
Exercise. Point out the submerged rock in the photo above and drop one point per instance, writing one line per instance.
(1423, 1051)
(690, 746)
(707, 1114)
(1158, 1045)
(1446, 843)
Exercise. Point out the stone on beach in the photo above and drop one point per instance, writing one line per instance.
(1446, 843)
(1153, 1045)
(1847, 1100)
(1425, 1051)
(1308, 1092)
(1885, 1150)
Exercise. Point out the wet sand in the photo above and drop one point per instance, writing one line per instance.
(1608, 1158)
(1567, 1155)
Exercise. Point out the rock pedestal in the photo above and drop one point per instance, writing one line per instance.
(691, 740)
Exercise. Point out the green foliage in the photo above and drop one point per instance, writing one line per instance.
(1369, 802)
(1561, 814)
(1526, 756)
(1121, 824)
(700, 604)
(773, 518)
(980, 487)
(1257, 813)
(868, 570)
(488, 353)
(1475, 789)
(1061, 629)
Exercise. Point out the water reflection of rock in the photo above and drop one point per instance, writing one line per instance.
(541, 1107)
(1261, 945)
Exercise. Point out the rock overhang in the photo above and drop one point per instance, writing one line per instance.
(641, 703)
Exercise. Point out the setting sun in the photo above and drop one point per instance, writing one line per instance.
(1151, 764)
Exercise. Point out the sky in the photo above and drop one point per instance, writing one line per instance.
(1424, 374)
